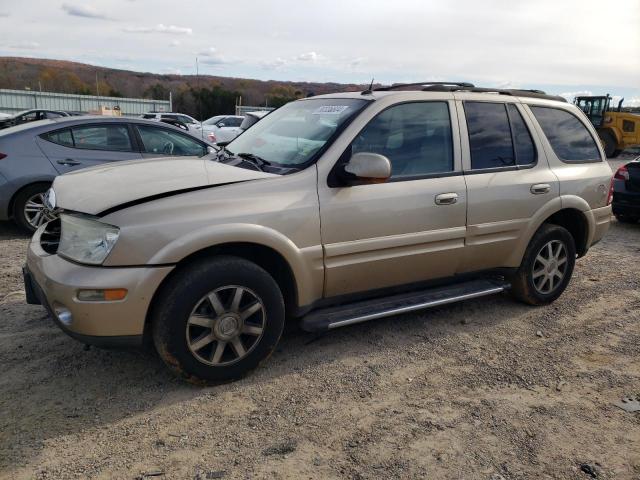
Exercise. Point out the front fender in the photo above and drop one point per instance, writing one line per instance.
(305, 263)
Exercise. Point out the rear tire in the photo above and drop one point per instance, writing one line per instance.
(616, 153)
(217, 319)
(546, 267)
(609, 142)
(29, 221)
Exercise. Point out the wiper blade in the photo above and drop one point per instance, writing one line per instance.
(255, 159)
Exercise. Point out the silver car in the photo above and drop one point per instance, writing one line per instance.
(33, 154)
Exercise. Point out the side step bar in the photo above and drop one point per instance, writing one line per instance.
(342, 315)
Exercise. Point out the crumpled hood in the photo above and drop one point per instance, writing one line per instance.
(97, 189)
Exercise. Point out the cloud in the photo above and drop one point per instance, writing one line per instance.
(25, 45)
(211, 56)
(160, 28)
(308, 57)
(172, 71)
(174, 43)
(274, 64)
(632, 102)
(355, 62)
(571, 95)
(84, 11)
(4, 14)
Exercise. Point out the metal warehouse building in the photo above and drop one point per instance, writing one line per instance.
(13, 101)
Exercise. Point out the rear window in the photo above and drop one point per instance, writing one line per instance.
(232, 122)
(569, 138)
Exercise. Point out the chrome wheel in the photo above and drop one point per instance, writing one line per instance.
(225, 325)
(36, 213)
(550, 267)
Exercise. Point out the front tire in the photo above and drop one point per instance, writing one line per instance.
(610, 144)
(217, 319)
(546, 267)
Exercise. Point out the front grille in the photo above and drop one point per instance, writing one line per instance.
(50, 238)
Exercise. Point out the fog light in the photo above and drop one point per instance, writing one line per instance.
(102, 295)
(63, 314)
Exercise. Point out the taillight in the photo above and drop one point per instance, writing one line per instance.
(610, 196)
(622, 173)
(3, 155)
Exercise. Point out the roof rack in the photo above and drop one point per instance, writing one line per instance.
(469, 87)
(395, 86)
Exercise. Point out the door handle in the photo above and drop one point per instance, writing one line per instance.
(69, 162)
(540, 188)
(446, 198)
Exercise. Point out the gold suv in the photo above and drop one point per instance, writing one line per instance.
(330, 211)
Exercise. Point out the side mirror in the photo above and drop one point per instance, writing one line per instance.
(366, 167)
(221, 125)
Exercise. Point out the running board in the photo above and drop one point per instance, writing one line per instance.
(340, 316)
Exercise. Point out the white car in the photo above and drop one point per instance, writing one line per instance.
(222, 128)
(191, 123)
(252, 117)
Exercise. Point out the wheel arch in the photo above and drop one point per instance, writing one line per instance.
(268, 258)
(570, 212)
(576, 223)
(32, 182)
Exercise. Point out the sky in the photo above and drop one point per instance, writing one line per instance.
(561, 46)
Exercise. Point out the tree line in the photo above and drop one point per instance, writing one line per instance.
(203, 102)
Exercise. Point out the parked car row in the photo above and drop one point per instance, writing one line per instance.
(44, 143)
(32, 155)
(30, 116)
(217, 129)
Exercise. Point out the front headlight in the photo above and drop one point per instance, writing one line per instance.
(86, 240)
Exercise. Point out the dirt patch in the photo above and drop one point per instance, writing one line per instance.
(470, 391)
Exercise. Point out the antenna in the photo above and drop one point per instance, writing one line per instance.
(370, 89)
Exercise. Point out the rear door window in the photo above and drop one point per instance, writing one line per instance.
(161, 141)
(569, 138)
(525, 150)
(489, 135)
(102, 137)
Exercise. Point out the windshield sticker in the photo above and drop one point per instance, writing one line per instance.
(330, 110)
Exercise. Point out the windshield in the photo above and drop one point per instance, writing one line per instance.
(293, 134)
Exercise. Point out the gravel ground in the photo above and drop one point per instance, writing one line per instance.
(488, 389)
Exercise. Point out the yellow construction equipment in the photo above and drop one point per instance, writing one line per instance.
(617, 129)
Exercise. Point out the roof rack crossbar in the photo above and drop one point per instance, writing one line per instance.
(422, 84)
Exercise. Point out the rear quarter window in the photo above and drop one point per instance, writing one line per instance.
(61, 137)
(568, 136)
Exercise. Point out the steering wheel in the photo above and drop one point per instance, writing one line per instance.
(167, 148)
